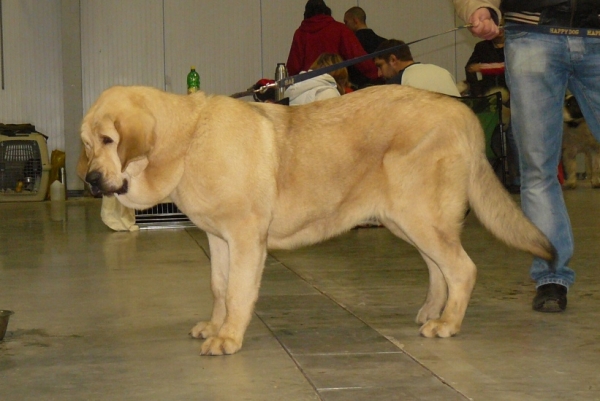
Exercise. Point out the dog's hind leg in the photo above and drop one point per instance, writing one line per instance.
(570, 167)
(437, 294)
(460, 274)
(219, 263)
(448, 264)
(594, 173)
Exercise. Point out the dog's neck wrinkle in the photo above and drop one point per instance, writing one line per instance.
(180, 126)
(179, 130)
(184, 127)
(145, 192)
(573, 123)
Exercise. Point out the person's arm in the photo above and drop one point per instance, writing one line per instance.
(368, 69)
(351, 48)
(294, 61)
(483, 15)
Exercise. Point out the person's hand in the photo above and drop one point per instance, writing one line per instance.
(483, 26)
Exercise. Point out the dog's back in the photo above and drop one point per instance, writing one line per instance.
(341, 160)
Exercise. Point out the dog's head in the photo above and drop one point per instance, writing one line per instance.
(117, 130)
(571, 112)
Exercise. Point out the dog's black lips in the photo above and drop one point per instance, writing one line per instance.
(123, 189)
(96, 190)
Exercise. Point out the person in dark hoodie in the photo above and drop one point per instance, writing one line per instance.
(356, 19)
(320, 33)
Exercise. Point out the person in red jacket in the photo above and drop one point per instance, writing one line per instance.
(320, 33)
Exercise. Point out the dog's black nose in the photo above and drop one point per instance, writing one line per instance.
(93, 178)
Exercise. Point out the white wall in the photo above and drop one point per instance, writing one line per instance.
(33, 67)
(121, 44)
(221, 39)
(232, 43)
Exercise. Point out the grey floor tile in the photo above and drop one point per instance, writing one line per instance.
(105, 316)
(376, 375)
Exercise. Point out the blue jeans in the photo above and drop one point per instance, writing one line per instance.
(539, 69)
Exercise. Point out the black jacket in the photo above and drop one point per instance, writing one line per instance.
(567, 13)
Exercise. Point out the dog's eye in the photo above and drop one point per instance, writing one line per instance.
(106, 140)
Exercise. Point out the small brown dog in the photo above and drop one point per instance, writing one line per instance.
(577, 138)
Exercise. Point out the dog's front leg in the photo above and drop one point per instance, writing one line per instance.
(219, 271)
(247, 254)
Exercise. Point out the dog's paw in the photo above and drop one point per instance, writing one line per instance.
(427, 313)
(220, 346)
(595, 183)
(570, 184)
(438, 328)
(204, 330)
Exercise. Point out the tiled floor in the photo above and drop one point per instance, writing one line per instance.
(101, 315)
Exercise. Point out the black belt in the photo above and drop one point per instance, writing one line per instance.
(555, 30)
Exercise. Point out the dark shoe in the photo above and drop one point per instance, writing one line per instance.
(550, 298)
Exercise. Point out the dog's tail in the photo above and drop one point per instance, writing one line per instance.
(499, 213)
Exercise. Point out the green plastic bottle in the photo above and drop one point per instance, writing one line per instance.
(193, 81)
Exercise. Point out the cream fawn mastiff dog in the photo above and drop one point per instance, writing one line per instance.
(256, 176)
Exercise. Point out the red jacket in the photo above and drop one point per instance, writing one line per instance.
(323, 34)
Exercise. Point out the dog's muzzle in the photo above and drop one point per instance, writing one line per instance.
(94, 179)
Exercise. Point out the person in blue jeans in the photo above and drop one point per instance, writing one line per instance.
(540, 67)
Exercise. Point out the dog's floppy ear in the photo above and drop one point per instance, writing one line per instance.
(82, 164)
(136, 132)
